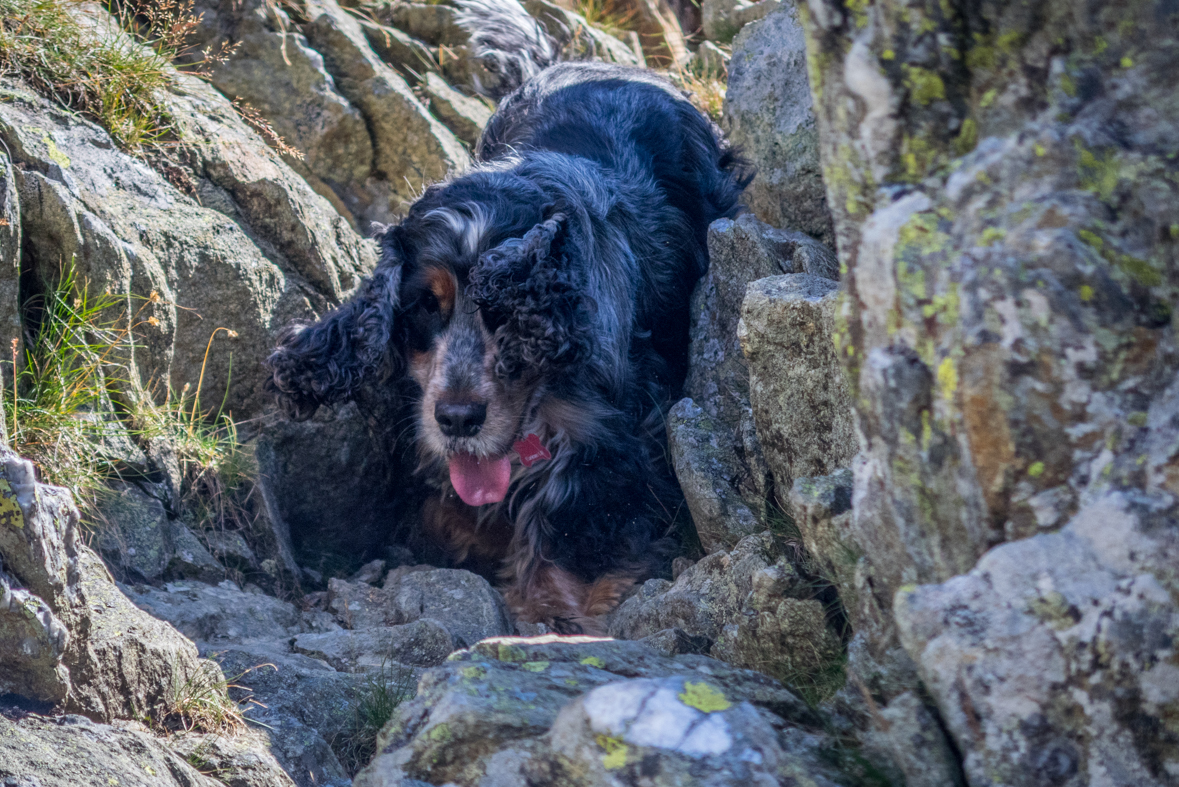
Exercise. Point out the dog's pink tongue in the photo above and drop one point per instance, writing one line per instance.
(480, 480)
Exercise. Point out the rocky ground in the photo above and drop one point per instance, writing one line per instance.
(929, 442)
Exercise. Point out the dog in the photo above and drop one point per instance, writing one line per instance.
(539, 303)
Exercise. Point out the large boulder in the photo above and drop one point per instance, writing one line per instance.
(87, 647)
(1006, 216)
(1010, 262)
(1054, 659)
(768, 113)
(194, 281)
(578, 711)
(73, 751)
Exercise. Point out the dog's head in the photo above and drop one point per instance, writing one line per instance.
(475, 301)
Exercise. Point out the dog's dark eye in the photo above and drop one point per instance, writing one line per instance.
(429, 303)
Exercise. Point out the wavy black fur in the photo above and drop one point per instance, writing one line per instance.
(578, 237)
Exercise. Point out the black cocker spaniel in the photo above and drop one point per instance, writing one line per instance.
(540, 302)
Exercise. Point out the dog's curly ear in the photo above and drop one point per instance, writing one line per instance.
(530, 297)
(325, 362)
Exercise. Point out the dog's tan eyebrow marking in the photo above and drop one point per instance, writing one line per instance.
(441, 282)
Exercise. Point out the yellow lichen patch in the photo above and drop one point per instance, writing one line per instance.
(440, 734)
(473, 673)
(703, 697)
(992, 235)
(925, 86)
(55, 154)
(535, 666)
(1100, 175)
(967, 137)
(1036, 470)
(1086, 293)
(10, 513)
(615, 752)
(507, 652)
(947, 378)
(593, 661)
(921, 235)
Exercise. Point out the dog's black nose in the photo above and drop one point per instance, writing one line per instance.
(460, 419)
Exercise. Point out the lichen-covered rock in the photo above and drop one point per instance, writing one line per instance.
(422, 643)
(121, 662)
(72, 751)
(566, 711)
(705, 466)
(740, 251)
(747, 607)
(686, 730)
(801, 405)
(1011, 260)
(463, 602)
(1054, 660)
(768, 113)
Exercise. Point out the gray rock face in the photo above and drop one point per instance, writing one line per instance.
(768, 112)
(801, 404)
(136, 535)
(705, 467)
(218, 613)
(578, 39)
(577, 711)
(466, 116)
(410, 147)
(740, 251)
(307, 77)
(132, 233)
(299, 705)
(65, 586)
(238, 761)
(73, 751)
(336, 449)
(751, 609)
(32, 643)
(733, 474)
(1053, 660)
